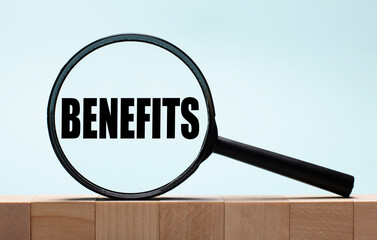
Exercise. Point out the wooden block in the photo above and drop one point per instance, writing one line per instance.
(63, 217)
(365, 217)
(15, 217)
(321, 217)
(191, 218)
(129, 220)
(256, 217)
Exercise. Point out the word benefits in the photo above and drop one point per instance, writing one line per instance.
(108, 117)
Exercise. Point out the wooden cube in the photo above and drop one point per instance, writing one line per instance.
(256, 217)
(319, 217)
(62, 217)
(130, 220)
(187, 218)
(15, 217)
(365, 217)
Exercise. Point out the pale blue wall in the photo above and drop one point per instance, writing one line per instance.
(296, 77)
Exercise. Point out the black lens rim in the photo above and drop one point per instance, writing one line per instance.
(209, 139)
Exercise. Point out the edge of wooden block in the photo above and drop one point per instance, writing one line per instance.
(17, 198)
(317, 199)
(255, 199)
(65, 198)
(185, 199)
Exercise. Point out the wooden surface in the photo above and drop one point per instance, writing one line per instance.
(184, 217)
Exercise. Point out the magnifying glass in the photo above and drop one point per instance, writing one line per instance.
(131, 116)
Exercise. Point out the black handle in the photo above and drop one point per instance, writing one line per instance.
(330, 180)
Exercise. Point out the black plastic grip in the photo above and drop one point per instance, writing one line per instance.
(330, 180)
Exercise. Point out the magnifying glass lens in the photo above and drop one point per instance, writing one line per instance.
(131, 117)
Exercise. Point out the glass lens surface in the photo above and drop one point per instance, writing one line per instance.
(131, 117)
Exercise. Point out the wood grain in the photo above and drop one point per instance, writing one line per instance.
(15, 217)
(365, 217)
(186, 218)
(256, 217)
(228, 217)
(321, 218)
(63, 217)
(128, 220)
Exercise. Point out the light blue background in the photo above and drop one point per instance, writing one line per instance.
(295, 77)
